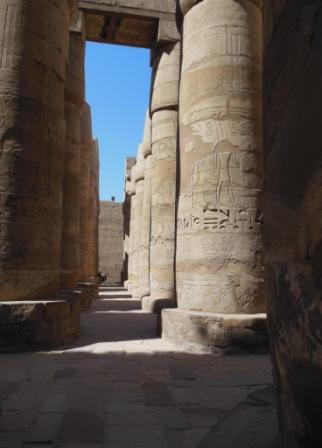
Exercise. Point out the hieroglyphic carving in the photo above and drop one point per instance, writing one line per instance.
(219, 219)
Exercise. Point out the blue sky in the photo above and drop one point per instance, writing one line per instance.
(117, 88)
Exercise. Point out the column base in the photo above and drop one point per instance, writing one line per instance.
(39, 324)
(155, 306)
(215, 332)
(88, 292)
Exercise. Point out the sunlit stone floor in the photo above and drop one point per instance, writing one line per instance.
(120, 386)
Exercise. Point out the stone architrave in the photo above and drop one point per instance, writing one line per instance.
(33, 58)
(74, 103)
(85, 213)
(139, 196)
(219, 271)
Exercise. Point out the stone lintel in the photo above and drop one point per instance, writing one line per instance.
(138, 24)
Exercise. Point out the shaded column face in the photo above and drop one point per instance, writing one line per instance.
(132, 267)
(129, 242)
(163, 198)
(219, 263)
(33, 45)
(85, 155)
(292, 231)
(145, 231)
(136, 253)
(93, 215)
(74, 99)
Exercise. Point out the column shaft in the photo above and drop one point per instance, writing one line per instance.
(74, 103)
(164, 106)
(33, 52)
(219, 272)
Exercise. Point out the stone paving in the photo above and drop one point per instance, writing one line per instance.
(119, 386)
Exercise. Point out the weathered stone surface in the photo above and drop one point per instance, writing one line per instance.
(219, 229)
(163, 199)
(33, 325)
(292, 240)
(74, 103)
(93, 211)
(139, 23)
(214, 330)
(144, 265)
(31, 145)
(89, 201)
(165, 82)
(139, 196)
(252, 424)
(111, 240)
(132, 268)
(130, 161)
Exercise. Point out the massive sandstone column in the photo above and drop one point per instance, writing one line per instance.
(139, 196)
(128, 242)
(93, 212)
(131, 188)
(33, 53)
(130, 161)
(74, 103)
(219, 250)
(85, 215)
(144, 266)
(164, 106)
(293, 237)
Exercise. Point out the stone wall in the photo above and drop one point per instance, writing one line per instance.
(111, 240)
(293, 236)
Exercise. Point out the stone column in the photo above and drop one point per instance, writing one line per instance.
(130, 161)
(94, 212)
(219, 270)
(74, 103)
(131, 188)
(139, 195)
(144, 267)
(292, 236)
(33, 53)
(164, 107)
(86, 150)
(128, 237)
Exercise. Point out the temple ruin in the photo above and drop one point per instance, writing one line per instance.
(222, 209)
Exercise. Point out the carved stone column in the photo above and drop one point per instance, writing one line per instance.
(74, 103)
(132, 267)
(164, 106)
(219, 270)
(130, 192)
(33, 53)
(86, 148)
(94, 212)
(139, 196)
(144, 266)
